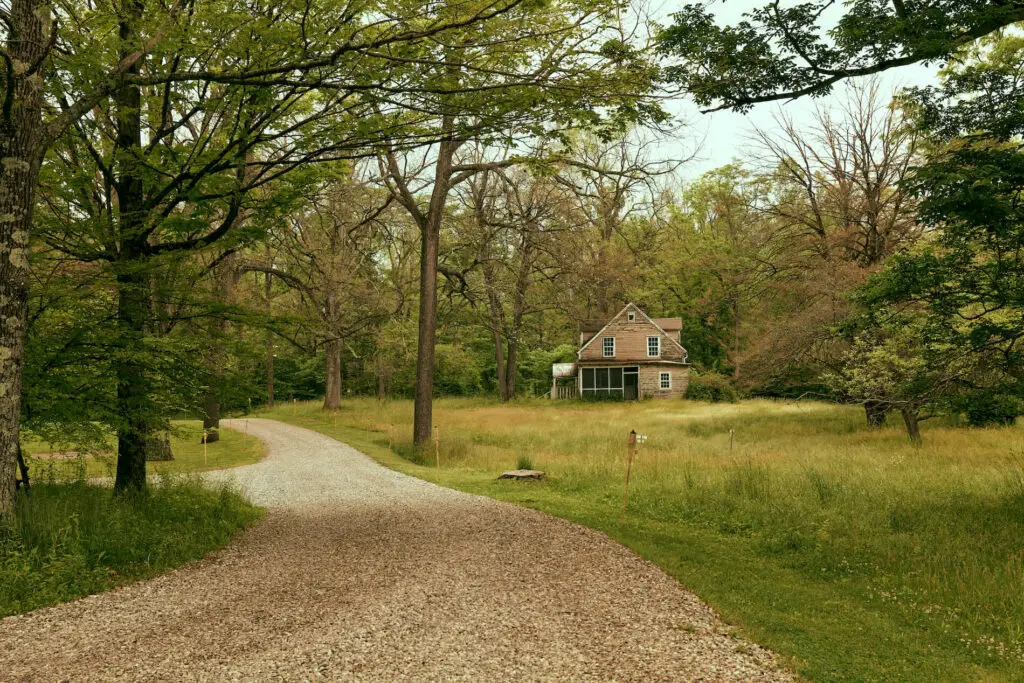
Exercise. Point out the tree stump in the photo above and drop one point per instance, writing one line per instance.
(158, 448)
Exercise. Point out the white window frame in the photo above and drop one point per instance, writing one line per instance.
(604, 347)
(657, 339)
(661, 381)
(631, 316)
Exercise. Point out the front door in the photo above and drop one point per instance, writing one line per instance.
(631, 383)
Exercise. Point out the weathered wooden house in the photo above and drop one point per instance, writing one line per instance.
(631, 356)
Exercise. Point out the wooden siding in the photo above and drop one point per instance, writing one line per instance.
(650, 381)
(631, 341)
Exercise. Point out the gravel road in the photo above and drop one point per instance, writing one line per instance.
(361, 573)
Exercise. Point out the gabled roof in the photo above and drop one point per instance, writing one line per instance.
(649, 319)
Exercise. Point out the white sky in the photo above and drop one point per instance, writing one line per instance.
(725, 134)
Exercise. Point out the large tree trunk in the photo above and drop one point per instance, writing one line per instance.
(270, 335)
(133, 296)
(430, 234)
(211, 416)
(511, 367)
(21, 149)
(224, 285)
(911, 421)
(133, 407)
(876, 413)
(332, 363)
(494, 308)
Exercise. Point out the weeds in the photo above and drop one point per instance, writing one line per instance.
(70, 540)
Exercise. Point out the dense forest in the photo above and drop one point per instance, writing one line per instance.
(210, 206)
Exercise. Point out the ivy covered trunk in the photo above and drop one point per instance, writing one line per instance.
(21, 147)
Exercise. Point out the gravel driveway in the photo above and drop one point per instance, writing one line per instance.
(362, 573)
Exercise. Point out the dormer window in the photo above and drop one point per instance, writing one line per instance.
(631, 316)
(608, 347)
(653, 347)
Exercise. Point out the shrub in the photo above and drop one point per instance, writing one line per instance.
(984, 408)
(524, 463)
(711, 386)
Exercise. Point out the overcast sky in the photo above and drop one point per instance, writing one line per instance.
(725, 134)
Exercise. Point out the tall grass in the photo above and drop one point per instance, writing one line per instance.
(70, 540)
(855, 553)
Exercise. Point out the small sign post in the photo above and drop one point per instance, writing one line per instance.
(630, 447)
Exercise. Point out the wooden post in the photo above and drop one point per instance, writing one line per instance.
(730, 442)
(630, 447)
(206, 461)
(294, 407)
(391, 437)
(437, 450)
(335, 416)
(245, 433)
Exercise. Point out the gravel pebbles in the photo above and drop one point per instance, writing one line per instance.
(362, 573)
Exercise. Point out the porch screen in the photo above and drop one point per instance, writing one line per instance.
(602, 380)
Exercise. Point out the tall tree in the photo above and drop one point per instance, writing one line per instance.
(538, 67)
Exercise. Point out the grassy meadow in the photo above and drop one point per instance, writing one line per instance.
(850, 552)
(53, 462)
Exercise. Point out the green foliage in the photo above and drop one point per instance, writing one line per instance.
(458, 371)
(524, 463)
(776, 53)
(712, 387)
(956, 305)
(70, 540)
(987, 407)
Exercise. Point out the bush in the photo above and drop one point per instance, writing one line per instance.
(711, 386)
(70, 540)
(984, 408)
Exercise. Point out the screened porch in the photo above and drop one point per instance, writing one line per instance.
(623, 382)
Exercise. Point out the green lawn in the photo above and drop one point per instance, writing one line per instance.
(850, 552)
(232, 450)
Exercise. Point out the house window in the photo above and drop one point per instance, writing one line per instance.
(653, 347)
(631, 316)
(665, 380)
(608, 347)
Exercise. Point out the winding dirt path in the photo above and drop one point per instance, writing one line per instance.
(362, 573)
